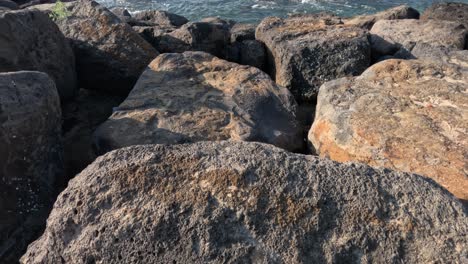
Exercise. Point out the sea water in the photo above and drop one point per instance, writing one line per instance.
(255, 10)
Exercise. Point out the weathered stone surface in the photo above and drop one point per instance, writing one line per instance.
(195, 96)
(160, 18)
(110, 55)
(457, 12)
(389, 37)
(29, 40)
(399, 12)
(30, 158)
(247, 52)
(241, 32)
(306, 51)
(406, 115)
(7, 4)
(238, 202)
(218, 20)
(197, 36)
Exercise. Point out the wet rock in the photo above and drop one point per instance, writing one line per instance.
(404, 115)
(399, 12)
(30, 158)
(247, 203)
(160, 18)
(457, 12)
(306, 51)
(195, 96)
(110, 55)
(197, 36)
(399, 37)
(29, 40)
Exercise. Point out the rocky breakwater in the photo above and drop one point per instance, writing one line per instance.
(405, 115)
(217, 189)
(244, 202)
(195, 96)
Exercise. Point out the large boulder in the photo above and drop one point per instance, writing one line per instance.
(195, 96)
(30, 158)
(306, 51)
(399, 37)
(399, 12)
(241, 32)
(160, 18)
(457, 12)
(110, 56)
(239, 202)
(405, 115)
(29, 40)
(211, 37)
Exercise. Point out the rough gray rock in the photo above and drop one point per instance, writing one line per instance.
(195, 96)
(399, 12)
(30, 158)
(29, 40)
(399, 37)
(110, 55)
(306, 51)
(197, 36)
(247, 52)
(457, 12)
(160, 18)
(238, 202)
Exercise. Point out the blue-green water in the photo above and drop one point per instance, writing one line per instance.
(255, 10)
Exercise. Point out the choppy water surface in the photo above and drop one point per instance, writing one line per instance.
(255, 10)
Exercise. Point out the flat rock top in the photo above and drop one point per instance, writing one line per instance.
(399, 12)
(195, 96)
(247, 202)
(306, 28)
(407, 32)
(406, 115)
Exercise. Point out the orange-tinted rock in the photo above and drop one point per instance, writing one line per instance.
(406, 115)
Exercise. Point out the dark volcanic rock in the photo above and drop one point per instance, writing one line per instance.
(122, 14)
(197, 36)
(160, 18)
(238, 202)
(247, 52)
(110, 55)
(399, 12)
(457, 12)
(195, 96)
(29, 40)
(30, 158)
(306, 51)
